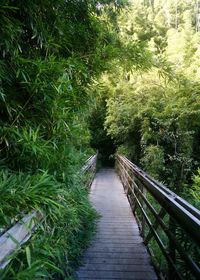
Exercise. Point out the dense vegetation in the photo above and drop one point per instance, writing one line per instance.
(153, 114)
(50, 51)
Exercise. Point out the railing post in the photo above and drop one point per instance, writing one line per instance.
(134, 204)
(126, 182)
(123, 175)
(144, 191)
(172, 251)
(130, 191)
(143, 205)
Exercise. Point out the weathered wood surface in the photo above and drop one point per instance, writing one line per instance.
(17, 235)
(117, 251)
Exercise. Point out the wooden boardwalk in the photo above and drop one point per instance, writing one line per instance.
(117, 251)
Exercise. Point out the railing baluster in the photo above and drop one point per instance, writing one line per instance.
(144, 191)
(161, 214)
(171, 249)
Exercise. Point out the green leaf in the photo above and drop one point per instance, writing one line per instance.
(28, 256)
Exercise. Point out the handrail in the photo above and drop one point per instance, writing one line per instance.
(16, 236)
(182, 216)
(90, 168)
(89, 163)
(180, 200)
(22, 231)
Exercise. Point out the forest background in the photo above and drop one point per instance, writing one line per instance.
(153, 113)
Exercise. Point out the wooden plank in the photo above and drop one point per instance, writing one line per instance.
(116, 241)
(117, 251)
(111, 221)
(132, 267)
(141, 275)
(120, 226)
(117, 234)
(129, 231)
(134, 261)
(122, 218)
(122, 255)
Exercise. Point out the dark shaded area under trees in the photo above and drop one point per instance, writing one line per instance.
(100, 141)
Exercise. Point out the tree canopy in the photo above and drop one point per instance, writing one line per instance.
(153, 111)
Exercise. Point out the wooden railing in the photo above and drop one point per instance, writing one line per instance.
(22, 231)
(169, 225)
(89, 169)
(16, 236)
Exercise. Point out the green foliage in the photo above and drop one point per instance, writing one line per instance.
(64, 232)
(21, 193)
(50, 52)
(159, 108)
(147, 111)
(195, 190)
(99, 139)
(153, 160)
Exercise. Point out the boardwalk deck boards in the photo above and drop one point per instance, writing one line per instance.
(117, 250)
